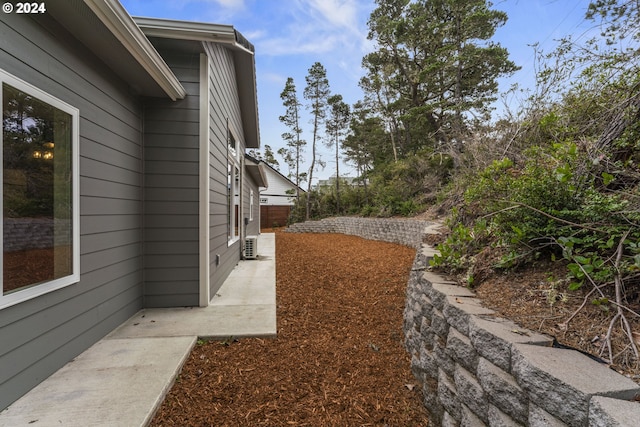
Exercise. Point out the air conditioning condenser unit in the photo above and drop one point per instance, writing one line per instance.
(251, 247)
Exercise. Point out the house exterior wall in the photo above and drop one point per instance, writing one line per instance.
(224, 113)
(253, 228)
(171, 161)
(276, 194)
(40, 335)
(275, 203)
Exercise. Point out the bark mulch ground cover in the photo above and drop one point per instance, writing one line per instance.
(338, 359)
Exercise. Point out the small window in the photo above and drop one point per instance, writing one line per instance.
(232, 145)
(40, 221)
(251, 197)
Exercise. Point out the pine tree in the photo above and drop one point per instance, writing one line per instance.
(438, 67)
(292, 153)
(317, 93)
(337, 127)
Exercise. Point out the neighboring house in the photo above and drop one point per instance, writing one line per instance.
(348, 181)
(125, 184)
(258, 171)
(278, 199)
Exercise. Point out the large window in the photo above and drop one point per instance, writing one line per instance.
(40, 238)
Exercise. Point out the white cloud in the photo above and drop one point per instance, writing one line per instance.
(298, 45)
(228, 4)
(318, 27)
(254, 34)
(273, 78)
(341, 13)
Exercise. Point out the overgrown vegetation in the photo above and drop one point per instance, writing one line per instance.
(562, 181)
(555, 178)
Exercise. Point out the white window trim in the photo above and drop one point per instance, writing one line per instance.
(233, 161)
(251, 202)
(44, 288)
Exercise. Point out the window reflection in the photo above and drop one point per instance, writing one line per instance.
(36, 191)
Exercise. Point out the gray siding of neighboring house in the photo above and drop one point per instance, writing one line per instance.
(42, 334)
(224, 105)
(171, 162)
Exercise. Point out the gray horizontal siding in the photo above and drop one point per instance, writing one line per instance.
(224, 107)
(172, 191)
(40, 335)
(108, 223)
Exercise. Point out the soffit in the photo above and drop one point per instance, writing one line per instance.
(142, 68)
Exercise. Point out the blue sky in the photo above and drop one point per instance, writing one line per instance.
(290, 35)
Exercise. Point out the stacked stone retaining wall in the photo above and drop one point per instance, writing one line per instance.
(402, 231)
(477, 369)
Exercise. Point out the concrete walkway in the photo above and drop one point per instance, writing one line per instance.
(122, 379)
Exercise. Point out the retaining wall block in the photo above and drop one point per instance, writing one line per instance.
(448, 395)
(428, 362)
(469, 419)
(431, 401)
(426, 306)
(448, 421)
(503, 391)
(538, 417)
(562, 381)
(471, 393)
(439, 324)
(427, 333)
(459, 348)
(417, 368)
(412, 340)
(493, 337)
(458, 311)
(609, 412)
(440, 291)
(497, 418)
(443, 360)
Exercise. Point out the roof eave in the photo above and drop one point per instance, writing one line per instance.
(258, 174)
(186, 30)
(124, 28)
(243, 54)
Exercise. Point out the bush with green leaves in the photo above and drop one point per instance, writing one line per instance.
(461, 245)
(551, 205)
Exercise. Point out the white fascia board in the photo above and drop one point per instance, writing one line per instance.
(124, 28)
(263, 175)
(188, 30)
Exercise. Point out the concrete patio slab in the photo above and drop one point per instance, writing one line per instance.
(256, 320)
(122, 379)
(113, 383)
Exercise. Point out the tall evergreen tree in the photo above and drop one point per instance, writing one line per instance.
(292, 153)
(337, 127)
(316, 93)
(439, 63)
(268, 157)
(365, 142)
